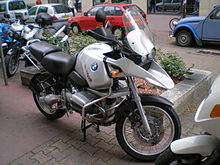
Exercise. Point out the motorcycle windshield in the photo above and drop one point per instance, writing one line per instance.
(138, 35)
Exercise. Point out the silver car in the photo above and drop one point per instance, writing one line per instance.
(59, 12)
(168, 5)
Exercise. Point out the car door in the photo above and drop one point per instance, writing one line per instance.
(88, 20)
(32, 14)
(211, 26)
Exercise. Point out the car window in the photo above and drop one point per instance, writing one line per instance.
(32, 11)
(216, 15)
(93, 11)
(42, 9)
(118, 11)
(16, 5)
(2, 7)
(61, 9)
(109, 10)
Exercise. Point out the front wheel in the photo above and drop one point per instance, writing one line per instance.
(165, 127)
(169, 158)
(184, 38)
(11, 64)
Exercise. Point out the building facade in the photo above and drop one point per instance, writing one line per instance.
(194, 7)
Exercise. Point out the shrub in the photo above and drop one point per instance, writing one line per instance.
(173, 65)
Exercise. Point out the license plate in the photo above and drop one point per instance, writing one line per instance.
(65, 16)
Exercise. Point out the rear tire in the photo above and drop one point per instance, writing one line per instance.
(136, 142)
(168, 158)
(44, 85)
(75, 28)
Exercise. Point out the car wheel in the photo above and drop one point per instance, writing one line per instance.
(75, 28)
(184, 38)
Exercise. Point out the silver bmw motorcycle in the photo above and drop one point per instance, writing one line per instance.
(98, 83)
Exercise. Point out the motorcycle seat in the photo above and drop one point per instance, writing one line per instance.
(41, 49)
(59, 63)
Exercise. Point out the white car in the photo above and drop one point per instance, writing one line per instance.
(59, 12)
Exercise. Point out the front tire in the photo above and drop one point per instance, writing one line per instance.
(184, 38)
(168, 158)
(45, 85)
(11, 64)
(165, 127)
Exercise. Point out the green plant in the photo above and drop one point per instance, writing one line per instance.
(173, 65)
(56, 41)
(79, 41)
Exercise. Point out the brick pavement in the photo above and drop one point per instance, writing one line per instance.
(99, 149)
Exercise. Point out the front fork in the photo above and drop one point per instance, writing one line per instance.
(137, 100)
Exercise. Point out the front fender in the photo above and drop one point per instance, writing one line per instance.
(187, 26)
(151, 98)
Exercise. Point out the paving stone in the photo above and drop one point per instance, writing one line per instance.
(100, 162)
(104, 156)
(61, 145)
(76, 143)
(117, 151)
(23, 160)
(103, 145)
(52, 162)
(41, 158)
(92, 140)
(58, 155)
(78, 157)
(89, 149)
(46, 148)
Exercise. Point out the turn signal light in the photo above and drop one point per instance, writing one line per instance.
(115, 73)
(215, 111)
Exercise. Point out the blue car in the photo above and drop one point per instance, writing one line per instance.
(198, 29)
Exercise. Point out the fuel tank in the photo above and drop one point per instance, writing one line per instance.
(90, 65)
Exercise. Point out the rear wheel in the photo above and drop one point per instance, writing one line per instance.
(169, 158)
(46, 89)
(165, 127)
(184, 38)
(75, 28)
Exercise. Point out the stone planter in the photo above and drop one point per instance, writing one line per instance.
(185, 93)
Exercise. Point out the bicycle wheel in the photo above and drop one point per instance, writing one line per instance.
(173, 23)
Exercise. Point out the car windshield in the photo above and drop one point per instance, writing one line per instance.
(16, 5)
(138, 35)
(58, 9)
(2, 7)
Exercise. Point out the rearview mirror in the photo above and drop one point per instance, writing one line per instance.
(85, 14)
(100, 16)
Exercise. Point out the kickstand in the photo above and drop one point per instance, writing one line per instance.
(84, 128)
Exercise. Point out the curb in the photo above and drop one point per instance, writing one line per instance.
(189, 91)
(185, 93)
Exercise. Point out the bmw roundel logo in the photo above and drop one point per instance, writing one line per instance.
(94, 67)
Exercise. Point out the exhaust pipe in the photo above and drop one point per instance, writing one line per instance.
(50, 99)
